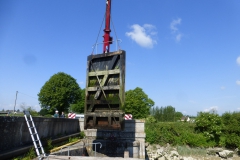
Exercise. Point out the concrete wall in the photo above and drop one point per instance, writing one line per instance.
(115, 143)
(15, 133)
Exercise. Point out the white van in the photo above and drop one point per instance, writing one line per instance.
(79, 116)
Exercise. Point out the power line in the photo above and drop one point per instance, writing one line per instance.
(27, 95)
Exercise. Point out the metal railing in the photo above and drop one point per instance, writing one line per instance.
(95, 146)
(69, 147)
(117, 45)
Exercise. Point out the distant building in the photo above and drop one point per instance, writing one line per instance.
(185, 119)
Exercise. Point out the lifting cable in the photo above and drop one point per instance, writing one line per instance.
(98, 34)
(94, 68)
(100, 30)
(115, 33)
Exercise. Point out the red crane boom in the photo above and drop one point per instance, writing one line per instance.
(107, 38)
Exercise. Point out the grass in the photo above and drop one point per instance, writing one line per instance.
(187, 151)
(28, 156)
(74, 139)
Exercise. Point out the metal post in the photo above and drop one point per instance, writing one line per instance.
(15, 102)
(95, 150)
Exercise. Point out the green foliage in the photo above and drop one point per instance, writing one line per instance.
(210, 124)
(73, 139)
(79, 106)
(151, 119)
(59, 92)
(233, 140)
(137, 103)
(175, 133)
(187, 151)
(31, 153)
(28, 156)
(32, 111)
(209, 130)
(151, 135)
(165, 114)
(43, 112)
(48, 116)
(231, 129)
(231, 122)
(49, 146)
(178, 116)
(82, 135)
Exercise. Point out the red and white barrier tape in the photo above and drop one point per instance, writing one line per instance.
(128, 116)
(71, 115)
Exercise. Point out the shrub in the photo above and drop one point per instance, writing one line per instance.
(48, 116)
(231, 122)
(82, 135)
(210, 124)
(150, 132)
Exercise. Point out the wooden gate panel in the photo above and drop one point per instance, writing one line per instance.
(105, 91)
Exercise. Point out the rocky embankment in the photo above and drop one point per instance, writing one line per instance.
(157, 152)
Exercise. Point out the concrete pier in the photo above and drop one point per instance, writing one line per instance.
(116, 143)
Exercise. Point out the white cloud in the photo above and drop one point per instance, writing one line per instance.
(238, 60)
(142, 35)
(211, 109)
(238, 82)
(174, 23)
(238, 108)
(173, 26)
(178, 37)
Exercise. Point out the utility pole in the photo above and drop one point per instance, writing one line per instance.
(15, 102)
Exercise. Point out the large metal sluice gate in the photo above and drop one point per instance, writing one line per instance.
(105, 91)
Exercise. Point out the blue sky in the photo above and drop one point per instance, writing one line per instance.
(181, 53)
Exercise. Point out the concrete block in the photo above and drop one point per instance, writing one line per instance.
(81, 124)
(140, 135)
(134, 125)
(126, 154)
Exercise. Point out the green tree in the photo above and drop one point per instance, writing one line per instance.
(43, 112)
(178, 116)
(157, 113)
(210, 124)
(79, 106)
(33, 111)
(59, 92)
(231, 129)
(165, 114)
(169, 114)
(137, 103)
